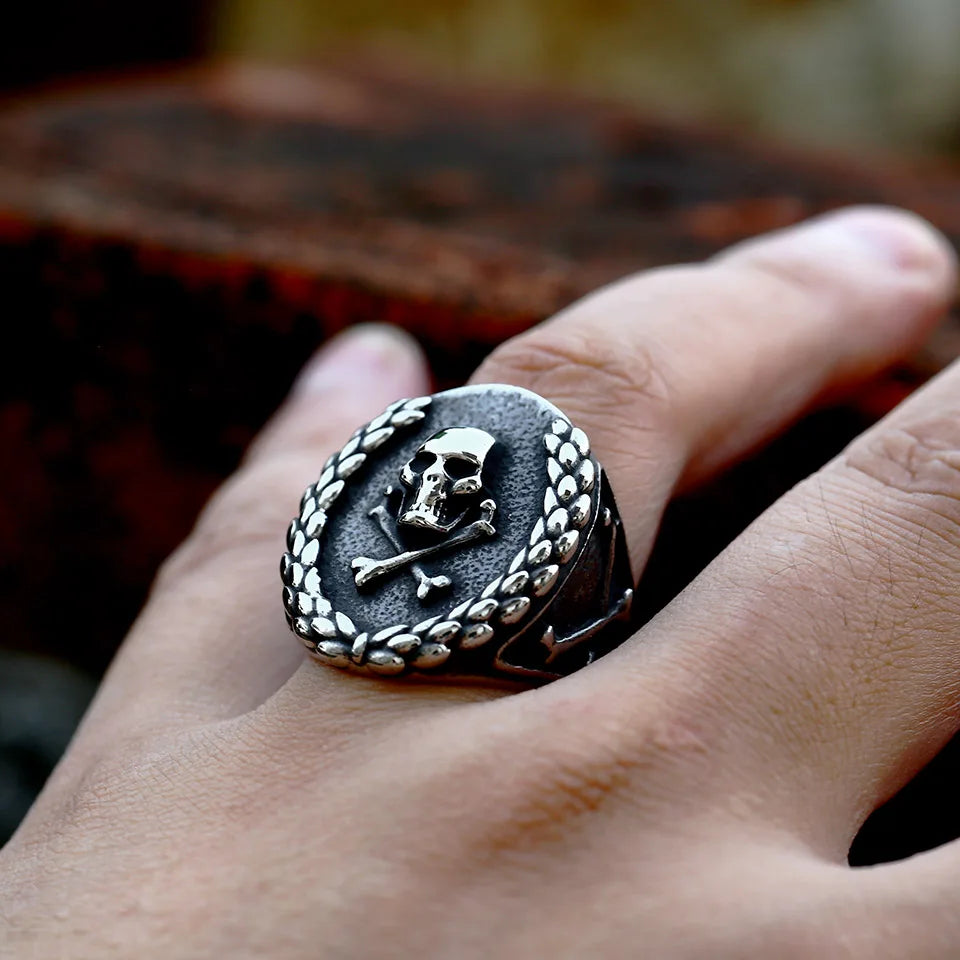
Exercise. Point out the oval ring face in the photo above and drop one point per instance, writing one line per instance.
(467, 534)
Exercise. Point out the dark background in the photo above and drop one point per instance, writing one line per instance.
(43, 691)
(45, 40)
(149, 335)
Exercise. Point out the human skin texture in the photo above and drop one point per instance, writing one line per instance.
(691, 795)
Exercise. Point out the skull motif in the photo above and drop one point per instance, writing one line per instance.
(444, 474)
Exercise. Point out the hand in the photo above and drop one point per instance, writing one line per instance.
(691, 795)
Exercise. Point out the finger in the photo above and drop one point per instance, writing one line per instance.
(823, 647)
(212, 641)
(676, 372)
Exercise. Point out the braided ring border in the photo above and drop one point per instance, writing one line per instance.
(333, 638)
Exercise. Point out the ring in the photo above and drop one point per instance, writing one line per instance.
(469, 534)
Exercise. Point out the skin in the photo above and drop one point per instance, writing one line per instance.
(691, 795)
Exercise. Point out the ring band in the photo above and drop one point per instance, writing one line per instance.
(470, 534)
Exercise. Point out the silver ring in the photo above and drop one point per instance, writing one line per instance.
(470, 534)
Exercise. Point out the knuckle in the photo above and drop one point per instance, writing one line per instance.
(96, 794)
(580, 369)
(141, 767)
(918, 464)
(569, 768)
(785, 276)
(757, 280)
(798, 283)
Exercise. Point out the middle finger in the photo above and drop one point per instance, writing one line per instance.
(675, 373)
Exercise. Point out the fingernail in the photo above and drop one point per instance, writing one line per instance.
(894, 238)
(361, 354)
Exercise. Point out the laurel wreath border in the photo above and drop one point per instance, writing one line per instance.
(332, 637)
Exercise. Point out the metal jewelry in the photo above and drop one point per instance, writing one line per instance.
(470, 534)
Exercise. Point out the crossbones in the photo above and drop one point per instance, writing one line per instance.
(425, 583)
(366, 570)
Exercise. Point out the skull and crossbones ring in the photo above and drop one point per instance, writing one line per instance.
(471, 534)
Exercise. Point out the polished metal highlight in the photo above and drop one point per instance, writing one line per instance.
(508, 556)
(448, 467)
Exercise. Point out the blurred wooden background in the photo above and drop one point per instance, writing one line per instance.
(857, 74)
(839, 73)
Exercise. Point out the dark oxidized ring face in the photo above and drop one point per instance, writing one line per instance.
(467, 534)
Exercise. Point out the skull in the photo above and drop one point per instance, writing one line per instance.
(445, 472)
